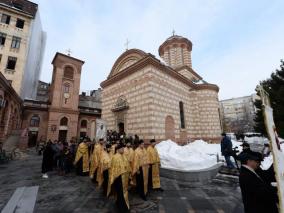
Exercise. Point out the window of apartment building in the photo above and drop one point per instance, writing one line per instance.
(5, 19)
(20, 23)
(16, 41)
(2, 38)
(11, 63)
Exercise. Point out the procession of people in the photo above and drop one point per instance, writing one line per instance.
(115, 164)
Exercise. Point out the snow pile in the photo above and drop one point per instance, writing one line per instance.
(193, 156)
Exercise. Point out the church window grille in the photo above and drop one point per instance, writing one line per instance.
(68, 72)
(83, 124)
(64, 121)
(34, 122)
(181, 110)
(66, 88)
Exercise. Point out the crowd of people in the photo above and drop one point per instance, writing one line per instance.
(115, 163)
(57, 156)
(259, 193)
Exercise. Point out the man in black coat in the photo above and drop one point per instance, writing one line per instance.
(227, 150)
(258, 195)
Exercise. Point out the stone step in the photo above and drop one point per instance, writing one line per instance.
(23, 200)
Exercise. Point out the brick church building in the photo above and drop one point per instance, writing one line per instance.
(161, 99)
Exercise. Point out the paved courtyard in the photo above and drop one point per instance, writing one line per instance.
(77, 194)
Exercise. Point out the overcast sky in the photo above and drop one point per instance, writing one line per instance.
(235, 43)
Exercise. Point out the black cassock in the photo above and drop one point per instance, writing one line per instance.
(258, 195)
(105, 181)
(140, 184)
(47, 159)
(120, 202)
(79, 168)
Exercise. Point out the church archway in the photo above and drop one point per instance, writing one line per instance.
(170, 128)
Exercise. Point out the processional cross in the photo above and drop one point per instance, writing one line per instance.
(68, 52)
(126, 44)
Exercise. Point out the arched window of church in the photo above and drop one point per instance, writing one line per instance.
(64, 121)
(83, 124)
(181, 111)
(68, 72)
(34, 122)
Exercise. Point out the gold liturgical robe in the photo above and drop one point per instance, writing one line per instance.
(141, 160)
(103, 165)
(83, 152)
(119, 167)
(154, 161)
(95, 158)
(129, 154)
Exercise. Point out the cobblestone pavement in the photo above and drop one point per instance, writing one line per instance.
(77, 194)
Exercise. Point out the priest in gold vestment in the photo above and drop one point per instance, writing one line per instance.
(103, 168)
(95, 158)
(140, 167)
(82, 159)
(154, 166)
(129, 153)
(119, 173)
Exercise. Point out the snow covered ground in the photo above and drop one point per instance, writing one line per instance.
(193, 156)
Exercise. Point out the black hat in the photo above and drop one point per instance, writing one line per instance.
(223, 134)
(245, 144)
(152, 141)
(254, 156)
(140, 142)
(101, 139)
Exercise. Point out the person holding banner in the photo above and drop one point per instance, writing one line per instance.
(258, 195)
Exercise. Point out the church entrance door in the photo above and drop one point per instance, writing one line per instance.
(62, 136)
(32, 138)
(121, 127)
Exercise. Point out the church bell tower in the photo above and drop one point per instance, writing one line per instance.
(64, 97)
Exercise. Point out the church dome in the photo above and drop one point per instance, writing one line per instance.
(175, 40)
(176, 51)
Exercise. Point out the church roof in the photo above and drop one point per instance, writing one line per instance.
(120, 71)
(126, 59)
(67, 56)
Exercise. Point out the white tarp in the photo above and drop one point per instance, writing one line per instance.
(193, 156)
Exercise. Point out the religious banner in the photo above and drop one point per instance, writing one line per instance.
(278, 153)
(101, 129)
